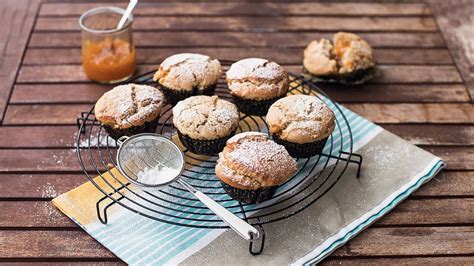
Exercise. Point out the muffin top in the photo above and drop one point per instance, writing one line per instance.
(129, 105)
(257, 79)
(352, 52)
(251, 160)
(346, 54)
(184, 72)
(205, 117)
(300, 119)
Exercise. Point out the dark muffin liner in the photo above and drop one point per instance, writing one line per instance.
(174, 96)
(147, 127)
(204, 147)
(302, 150)
(253, 107)
(356, 78)
(249, 196)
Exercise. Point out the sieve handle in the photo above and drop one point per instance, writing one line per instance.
(240, 226)
(121, 140)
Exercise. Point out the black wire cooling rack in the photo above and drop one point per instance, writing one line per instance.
(174, 205)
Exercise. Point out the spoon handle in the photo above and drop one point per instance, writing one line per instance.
(244, 229)
(127, 13)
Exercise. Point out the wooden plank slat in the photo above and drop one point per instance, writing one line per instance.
(15, 160)
(431, 134)
(39, 186)
(411, 212)
(455, 22)
(434, 260)
(47, 186)
(258, 24)
(387, 74)
(436, 240)
(17, 17)
(418, 93)
(376, 112)
(290, 56)
(402, 241)
(267, 9)
(241, 39)
(415, 113)
(65, 136)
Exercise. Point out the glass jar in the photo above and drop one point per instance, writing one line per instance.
(108, 54)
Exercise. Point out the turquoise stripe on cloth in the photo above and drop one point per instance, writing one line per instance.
(138, 240)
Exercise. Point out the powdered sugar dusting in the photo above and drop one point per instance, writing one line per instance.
(254, 67)
(159, 174)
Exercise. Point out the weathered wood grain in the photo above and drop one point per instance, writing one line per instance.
(425, 260)
(449, 183)
(292, 56)
(17, 17)
(415, 113)
(264, 9)
(387, 74)
(258, 24)
(65, 160)
(27, 214)
(192, 39)
(382, 93)
(400, 241)
(54, 114)
(455, 22)
(38, 186)
(431, 134)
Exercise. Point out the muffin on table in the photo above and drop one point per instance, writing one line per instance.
(129, 109)
(348, 59)
(205, 123)
(184, 75)
(255, 84)
(251, 167)
(301, 123)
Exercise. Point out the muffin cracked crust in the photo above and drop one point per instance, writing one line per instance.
(300, 119)
(301, 123)
(129, 109)
(348, 57)
(252, 163)
(257, 79)
(186, 74)
(205, 123)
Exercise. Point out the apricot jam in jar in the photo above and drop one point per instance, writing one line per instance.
(108, 54)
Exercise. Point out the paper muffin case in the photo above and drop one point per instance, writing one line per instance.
(253, 107)
(249, 196)
(147, 127)
(204, 147)
(356, 78)
(302, 150)
(174, 96)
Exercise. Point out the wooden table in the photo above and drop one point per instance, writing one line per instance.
(424, 94)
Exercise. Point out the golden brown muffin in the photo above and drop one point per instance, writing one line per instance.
(300, 119)
(184, 72)
(129, 109)
(251, 161)
(205, 123)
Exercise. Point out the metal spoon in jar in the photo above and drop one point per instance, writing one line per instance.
(151, 161)
(127, 13)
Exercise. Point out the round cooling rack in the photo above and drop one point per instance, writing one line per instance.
(314, 178)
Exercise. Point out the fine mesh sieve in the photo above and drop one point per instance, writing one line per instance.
(151, 161)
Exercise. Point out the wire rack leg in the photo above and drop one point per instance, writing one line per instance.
(103, 217)
(262, 235)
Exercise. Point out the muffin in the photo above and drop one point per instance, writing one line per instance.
(205, 123)
(184, 75)
(129, 109)
(255, 84)
(348, 59)
(251, 167)
(301, 123)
